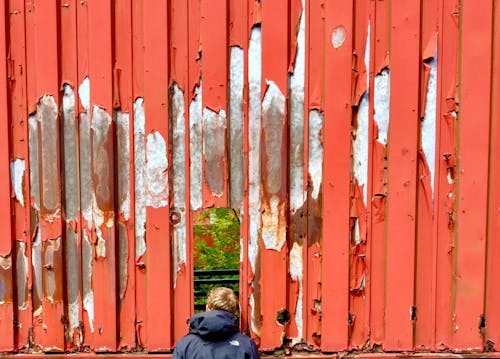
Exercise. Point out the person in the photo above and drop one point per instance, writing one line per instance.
(214, 333)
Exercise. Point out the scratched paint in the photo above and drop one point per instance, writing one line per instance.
(382, 98)
(195, 145)
(70, 141)
(178, 180)
(140, 178)
(33, 158)
(101, 122)
(86, 201)
(36, 259)
(85, 154)
(123, 189)
(254, 187)
(22, 276)
(428, 135)
(315, 168)
(47, 116)
(88, 293)
(273, 112)
(360, 154)
(5, 281)
(296, 273)
(235, 123)
(72, 281)
(214, 147)
(360, 143)
(296, 175)
(123, 159)
(296, 83)
(156, 170)
(50, 250)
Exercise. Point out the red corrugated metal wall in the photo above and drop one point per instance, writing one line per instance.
(360, 139)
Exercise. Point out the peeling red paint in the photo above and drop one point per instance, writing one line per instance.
(382, 260)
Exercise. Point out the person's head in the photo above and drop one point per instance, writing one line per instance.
(222, 298)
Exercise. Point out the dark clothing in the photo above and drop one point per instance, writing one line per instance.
(215, 334)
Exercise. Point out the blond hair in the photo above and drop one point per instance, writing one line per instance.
(222, 298)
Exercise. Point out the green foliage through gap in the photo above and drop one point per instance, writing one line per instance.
(216, 246)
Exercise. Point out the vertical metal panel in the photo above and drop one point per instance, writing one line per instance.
(402, 176)
(157, 174)
(473, 171)
(359, 140)
(6, 278)
(492, 334)
(337, 153)
(446, 173)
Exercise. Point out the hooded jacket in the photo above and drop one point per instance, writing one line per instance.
(215, 334)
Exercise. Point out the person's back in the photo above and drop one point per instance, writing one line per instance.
(214, 334)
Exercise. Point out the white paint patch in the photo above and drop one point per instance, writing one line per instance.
(84, 93)
(195, 150)
(315, 151)
(88, 293)
(156, 170)
(17, 169)
(382, 100)
(273, 114)
(123, 154)
(360, 143)
(296, 273)
(140, 178)
(73, 313)
(236, 160)
(241, 249)
(338, 36)
(296, 83)
(178, 180)
(36, 259)
(68, 100)
(429, 121)
(254, 135)
(100, 247)
(273, 234)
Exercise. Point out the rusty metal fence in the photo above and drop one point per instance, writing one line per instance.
(360, 139)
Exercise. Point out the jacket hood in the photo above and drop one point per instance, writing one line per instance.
(214, 325)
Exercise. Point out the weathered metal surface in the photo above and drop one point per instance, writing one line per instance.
(358, 139)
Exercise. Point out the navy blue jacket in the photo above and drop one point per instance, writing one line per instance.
(215, 334)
